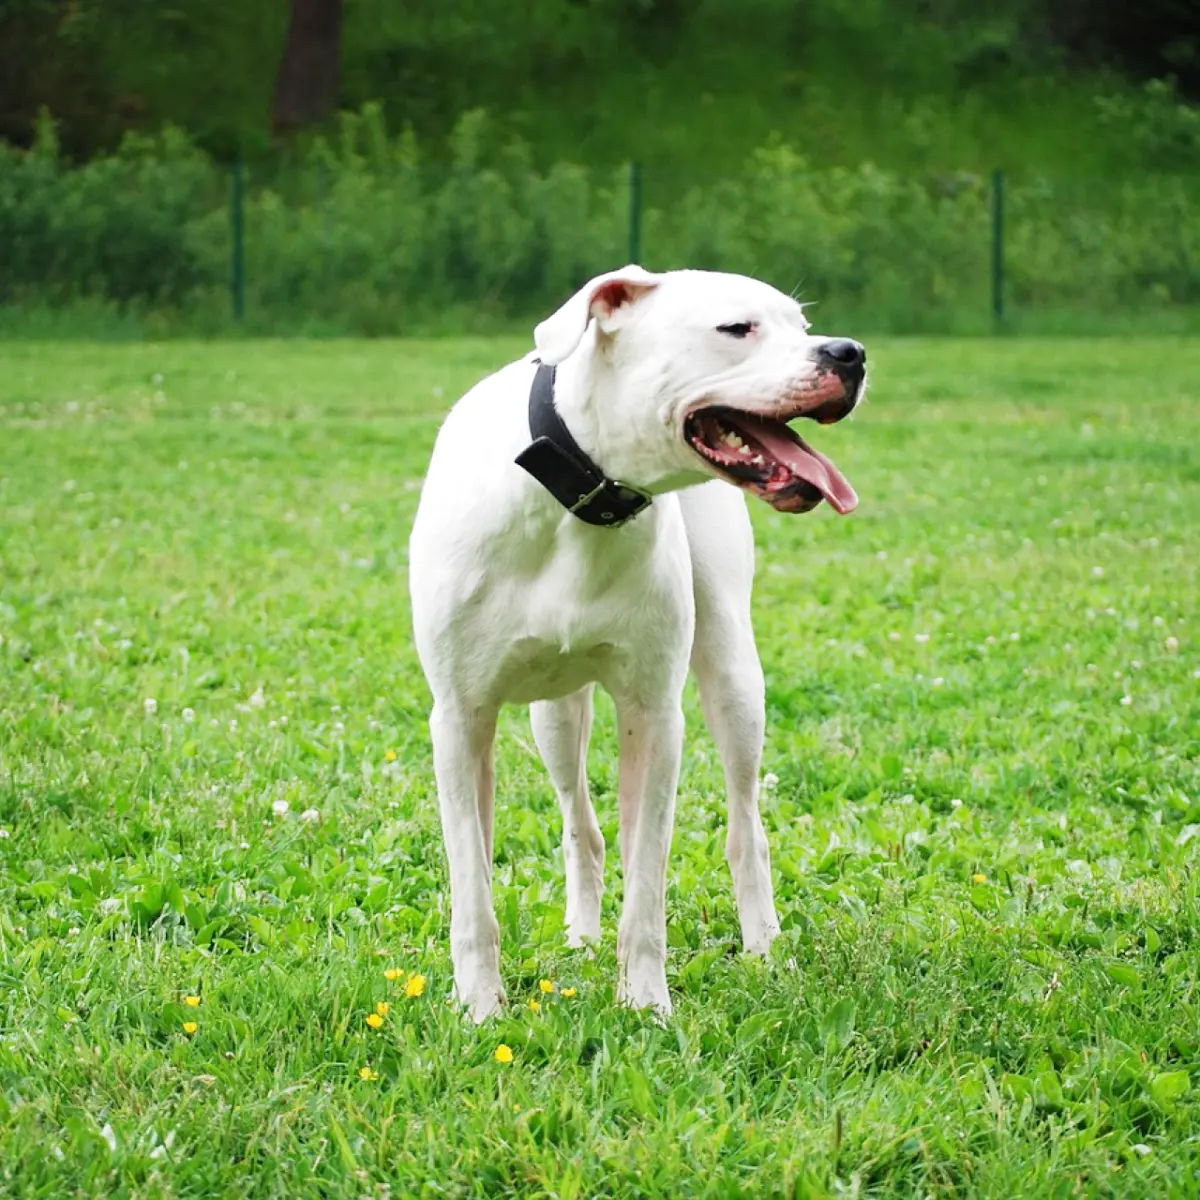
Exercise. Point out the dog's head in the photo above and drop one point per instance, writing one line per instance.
(705, 371)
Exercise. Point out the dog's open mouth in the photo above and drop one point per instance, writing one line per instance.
(769, 459)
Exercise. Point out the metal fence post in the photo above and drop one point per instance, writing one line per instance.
(237, 229)
(998, 247)
(635, 212)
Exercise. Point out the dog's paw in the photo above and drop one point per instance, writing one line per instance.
(644, 986)
(759, 943)
(583, 938)
(758, 933)
(481, 1000)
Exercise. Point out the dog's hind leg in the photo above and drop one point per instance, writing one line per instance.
(731, 693)
(466, 783)
(561, 729)
(651, 747)
(727, 670)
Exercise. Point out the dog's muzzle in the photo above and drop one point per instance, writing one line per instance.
(759, 452)
(846, 359)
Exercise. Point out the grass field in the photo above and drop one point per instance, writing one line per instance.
(215, 782)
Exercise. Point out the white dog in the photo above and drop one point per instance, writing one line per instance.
(560, 542)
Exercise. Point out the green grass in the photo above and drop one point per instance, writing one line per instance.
(983, 711)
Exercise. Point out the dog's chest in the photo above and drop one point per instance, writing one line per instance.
(569, 620)
(536, 669)
(545, 640)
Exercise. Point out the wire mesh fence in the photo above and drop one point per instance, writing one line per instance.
(380, 243)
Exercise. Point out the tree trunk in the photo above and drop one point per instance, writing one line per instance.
(306, 88)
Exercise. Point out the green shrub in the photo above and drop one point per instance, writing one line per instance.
(357, 234)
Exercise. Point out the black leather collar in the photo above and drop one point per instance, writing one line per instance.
(557, 462)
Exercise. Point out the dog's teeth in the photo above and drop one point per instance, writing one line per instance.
(731, 439)
(744, 449)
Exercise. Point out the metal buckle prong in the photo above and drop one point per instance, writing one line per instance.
(583, 500)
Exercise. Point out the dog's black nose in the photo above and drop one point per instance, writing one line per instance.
(843, 353)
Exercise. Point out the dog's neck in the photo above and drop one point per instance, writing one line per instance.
(614, 415)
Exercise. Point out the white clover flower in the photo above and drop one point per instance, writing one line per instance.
(770, 781)
(920, 637)
(310, 814)
(1126, 701)
(1171, 645)
(188, 715)
(150, 705)
(258, 699)
(280, 808)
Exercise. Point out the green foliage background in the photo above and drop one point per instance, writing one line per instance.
(361, 234)
(909, 84)
(841, 150)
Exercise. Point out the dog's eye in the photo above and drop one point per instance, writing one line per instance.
(739, 329)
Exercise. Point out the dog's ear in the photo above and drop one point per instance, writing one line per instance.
(609, 298)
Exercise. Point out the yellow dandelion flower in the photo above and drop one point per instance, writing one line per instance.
(567, 993)
(366, 1074)
(415, 986)
(374, 1020)
(390, 756)
(392, 974)
(546, 986)
(980, 877)
(190, 1027)
(516, 1108)
(382, 1008)
(192, 1001)
(503, 1053)
(535, 1006)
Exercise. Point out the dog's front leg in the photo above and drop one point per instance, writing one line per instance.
(466, 783)
(651, 747)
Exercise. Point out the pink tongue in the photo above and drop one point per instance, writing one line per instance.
(811, 465)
